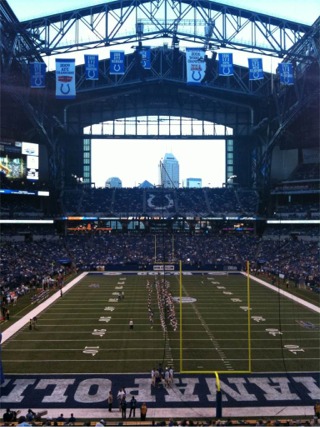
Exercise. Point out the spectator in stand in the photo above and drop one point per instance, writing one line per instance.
(60, 418)
(30, 415)
(9, 416)
(71, 420)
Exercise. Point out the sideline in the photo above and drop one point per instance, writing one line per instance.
(19, 324)
(284, 293)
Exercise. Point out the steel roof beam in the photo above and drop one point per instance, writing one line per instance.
(114, 23)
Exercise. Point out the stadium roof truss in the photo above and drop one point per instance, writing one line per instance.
(262, 109)
(203, 22)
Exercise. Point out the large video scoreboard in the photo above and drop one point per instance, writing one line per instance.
(21, 160)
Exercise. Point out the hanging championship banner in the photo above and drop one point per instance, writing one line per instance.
(225, 64)
(116, 62)
(65, 79)
(37, 75)
(286, 73)
(146, 58)
(255, 69)
(91, 67)
(196, 65)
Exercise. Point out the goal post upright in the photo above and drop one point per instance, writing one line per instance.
(180, 314)
(249, 317)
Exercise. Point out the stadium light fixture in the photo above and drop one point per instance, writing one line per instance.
(139, 29)
(209, 29)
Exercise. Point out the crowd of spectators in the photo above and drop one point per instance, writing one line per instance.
(227, 201)
(27, 263)
(303, 232)
(297, 211)
(151, 201)
(61, 420)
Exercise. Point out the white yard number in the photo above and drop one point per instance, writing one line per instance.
(99, 332)
(258, 319)
(293, 348)
(105, 319)
(274, 332)
(91, 350)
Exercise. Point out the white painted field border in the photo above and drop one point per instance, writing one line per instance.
(284, 293)
(8, 333)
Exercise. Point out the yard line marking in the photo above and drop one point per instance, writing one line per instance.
(214, 341)
(149, 348)
(144, 359)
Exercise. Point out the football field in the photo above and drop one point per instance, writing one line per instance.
(224, 324)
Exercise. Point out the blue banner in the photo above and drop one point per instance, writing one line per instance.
(117, 62)
(92, 67)
(146, 58)
(286, 73)
(225, 64)
(37, 75)
(65, 79)
(255, 69)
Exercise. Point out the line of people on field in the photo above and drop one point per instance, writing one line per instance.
(166, 305)
(149, 303)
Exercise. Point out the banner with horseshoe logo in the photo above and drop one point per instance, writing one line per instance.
(225, 64)
(37, 75)
(196, 65)
(91, 67)
(286, 73)
(255, 69)
(116, 62)
(145, 53)
(65, 79)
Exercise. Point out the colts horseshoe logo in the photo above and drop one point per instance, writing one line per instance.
(38, 81)
(65, 81)
(91, 73)
(196, 75)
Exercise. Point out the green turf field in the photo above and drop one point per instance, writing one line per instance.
(87, 330)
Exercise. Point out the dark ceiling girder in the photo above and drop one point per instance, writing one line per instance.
(204, 22)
